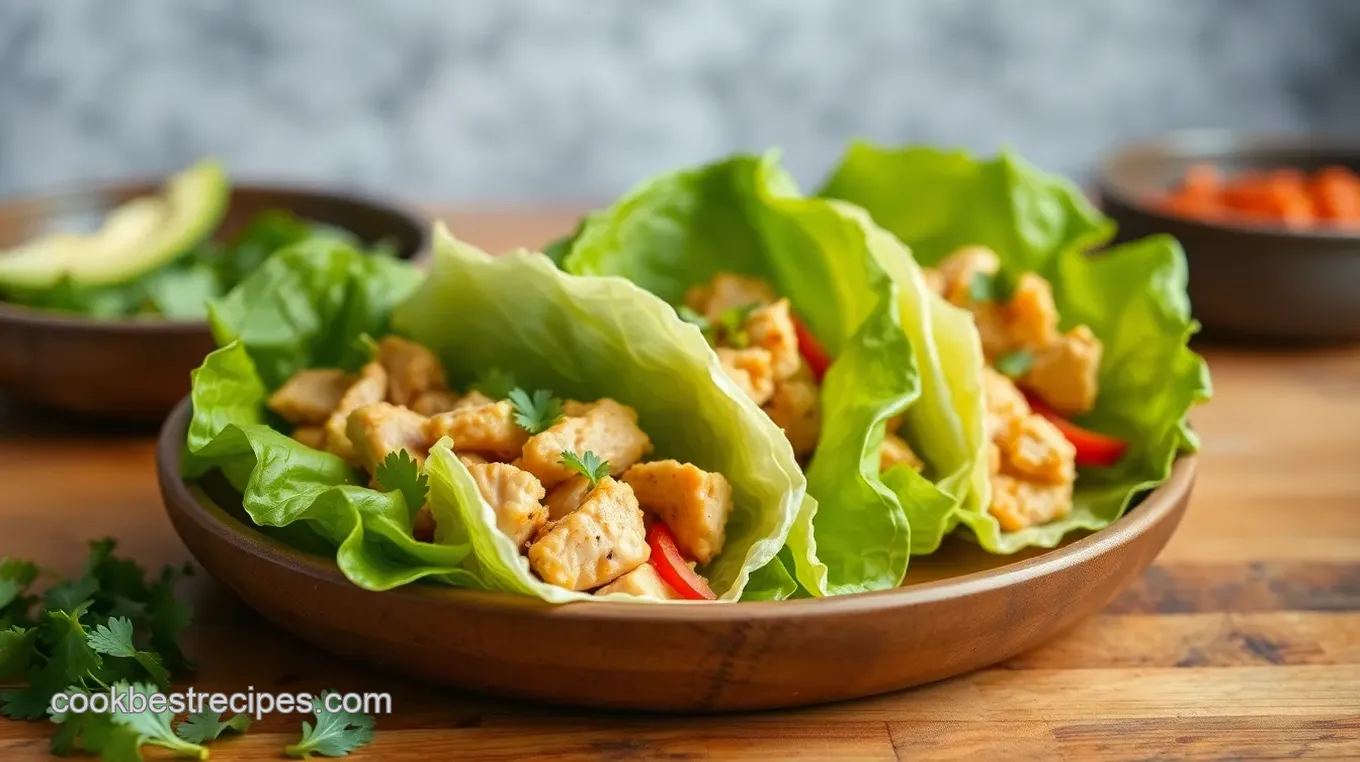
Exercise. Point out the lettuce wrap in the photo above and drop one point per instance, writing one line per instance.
(1133, 298)
(894, 349)
(314, 305)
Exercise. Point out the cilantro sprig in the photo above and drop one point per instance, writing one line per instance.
(335, 734)
(207, 725)
(495, 383)
(998, 287)
(588, 464)
(399, 472)
(733, 320)
(537, 412)
(1015, 364)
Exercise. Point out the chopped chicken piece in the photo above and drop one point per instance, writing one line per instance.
(1018, 504)
(1030, 315)
(472, 458)
(1003, 400)
(473, 398)
(411, 369)
(1032, 448)
(643, 582)
(595, 544)
(312, 436)
(576, 408)
(489, 429)
(934, 280)
(515, 496)
(310, 395)
(750, 369)
(771, 328)
(609, 430)
(435, 402)
(371, 388)
(382, 428)
(726, 291)
(895, 451)
(959, 269)
(567, 497)
(693, 502)
(796, 407)
(423, 528)
(1065, 375)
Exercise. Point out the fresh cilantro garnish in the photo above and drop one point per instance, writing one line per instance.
(996, 287)
(108, 625)
(335, 734)
(732, 321)
(1015, 364)
(588, 465)
(367, 344)
(704, 325)
(495, 383)
(399, 472)
(115, 639)
(207, 725)
(537, 413)
(119, 736)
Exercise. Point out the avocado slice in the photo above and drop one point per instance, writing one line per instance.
(136, 238)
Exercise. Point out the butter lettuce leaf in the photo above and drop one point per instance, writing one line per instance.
(1133, 297)
(745, 215)
(588, 338)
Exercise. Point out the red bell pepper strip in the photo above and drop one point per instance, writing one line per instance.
(817, 359)
(672, 567)
(1093, 448)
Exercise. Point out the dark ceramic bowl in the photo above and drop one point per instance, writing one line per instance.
(1255, 282)
(137, 369)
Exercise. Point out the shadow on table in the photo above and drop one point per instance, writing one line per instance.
(21, 420)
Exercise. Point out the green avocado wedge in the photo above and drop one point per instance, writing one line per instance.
(136, 238)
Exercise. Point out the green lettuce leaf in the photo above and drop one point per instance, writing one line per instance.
(745, 215)
(1133, 297)
(588, 338)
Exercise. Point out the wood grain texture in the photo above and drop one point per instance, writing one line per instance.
(1242, 642)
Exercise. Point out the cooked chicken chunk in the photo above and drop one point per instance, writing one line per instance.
(694, 503)
(382, 428)
(1033, 449)
(473, 398)
(751, 369)
(310, 395)
(1028, 318)
(576, 408)
(643, 582)
(1065, 375)
(472, 458)
(796, 408)
(959, 270)
(726, 291)
(1018, 504)
(488, 429)
(411, 369)
(1003, 401)
(895, 451)
(312, 436)
(1031, 316)
(515, 496)
(934, 280)
(609, 430)
(371, 388)
(435, 402)
(771, 328)
(595, 544)
(567, 497)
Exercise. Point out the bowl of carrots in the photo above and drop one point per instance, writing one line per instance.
(1270, 227)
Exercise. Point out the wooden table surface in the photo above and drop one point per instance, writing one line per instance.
(1242, 641)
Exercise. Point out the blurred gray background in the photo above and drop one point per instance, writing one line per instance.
(544, 101)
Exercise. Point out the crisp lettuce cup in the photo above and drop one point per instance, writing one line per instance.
(1132, 296)
(895, 348)
(584, 337)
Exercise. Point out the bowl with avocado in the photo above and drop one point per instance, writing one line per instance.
(104, 290)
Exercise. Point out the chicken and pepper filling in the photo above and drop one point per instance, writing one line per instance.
(774, 359)
(1035, 376)
(569, 481)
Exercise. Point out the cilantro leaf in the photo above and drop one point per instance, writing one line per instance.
(495, 383)
(732, 321)
(115, 639)
(168, 615)
(399, 472)
(368, 344)
(996, 287)
(588, 465)
(154, 727)
(72, 594)
(207, 725)
(1015, 364)
(335, 734)
(537, 413)
(16, 651)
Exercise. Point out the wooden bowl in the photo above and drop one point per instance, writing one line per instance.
(965, 610)
(1247, 281)
(137, 369)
